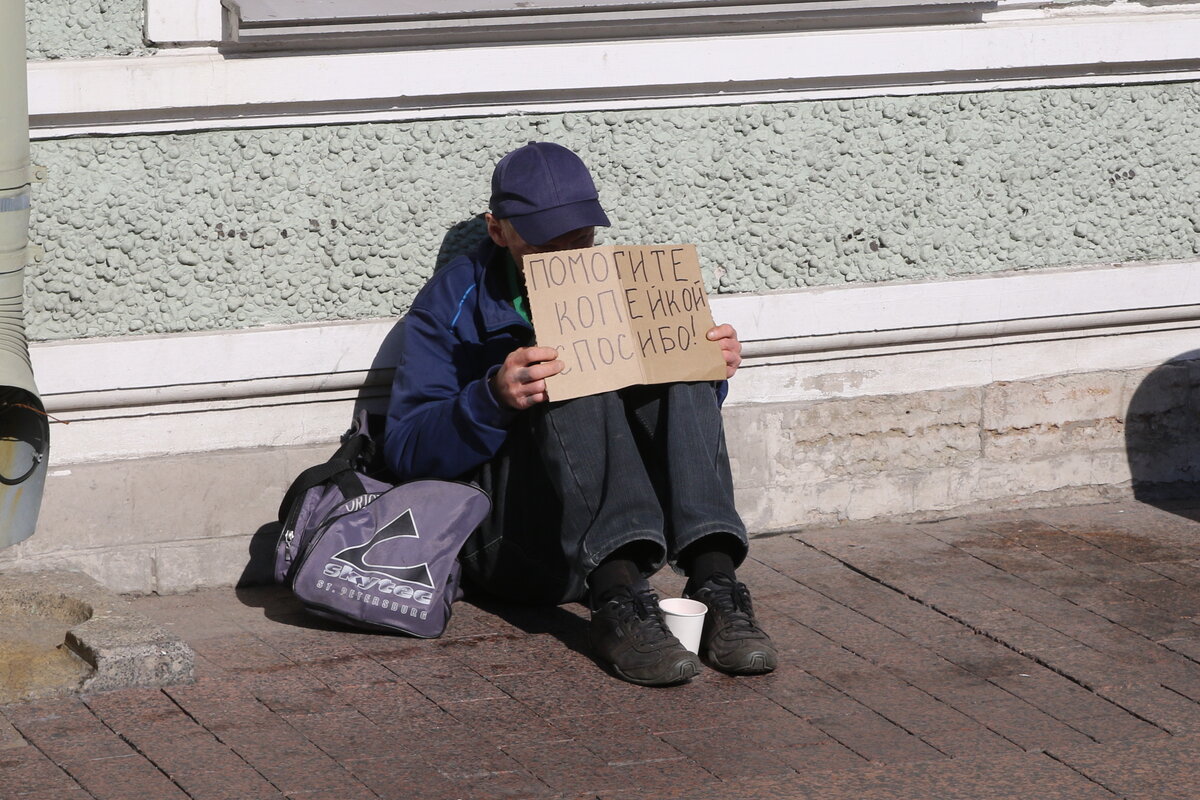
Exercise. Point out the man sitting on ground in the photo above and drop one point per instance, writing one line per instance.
(590, 495)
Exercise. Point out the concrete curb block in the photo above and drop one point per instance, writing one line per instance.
(124, 649)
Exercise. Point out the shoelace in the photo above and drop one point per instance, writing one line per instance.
(732, 599)
(640, 605)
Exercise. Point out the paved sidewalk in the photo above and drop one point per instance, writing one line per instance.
(1043, 654)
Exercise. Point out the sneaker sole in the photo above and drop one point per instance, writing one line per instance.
(759, 664)
(685, 671)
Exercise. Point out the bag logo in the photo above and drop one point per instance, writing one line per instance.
(402, 527)
(358, 503)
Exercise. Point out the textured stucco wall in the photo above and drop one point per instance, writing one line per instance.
(84, 28)
(231, 229)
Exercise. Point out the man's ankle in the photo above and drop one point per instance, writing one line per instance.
(625, 566)
(705, 558)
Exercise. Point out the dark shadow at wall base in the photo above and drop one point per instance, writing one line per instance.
(1162, 435)
(260, 563)
(1168, 495)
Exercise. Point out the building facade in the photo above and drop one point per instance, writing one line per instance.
(957, 239)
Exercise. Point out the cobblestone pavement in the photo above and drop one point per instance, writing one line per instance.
(1045, 654)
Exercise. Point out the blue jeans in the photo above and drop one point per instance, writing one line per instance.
(578, 479)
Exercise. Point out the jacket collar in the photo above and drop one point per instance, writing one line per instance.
(494, 306)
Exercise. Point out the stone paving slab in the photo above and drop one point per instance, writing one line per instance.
(1051, 654)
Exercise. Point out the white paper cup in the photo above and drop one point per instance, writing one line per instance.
(685, 619)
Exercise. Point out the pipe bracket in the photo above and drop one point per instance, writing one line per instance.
(15, 260)
(14, 178)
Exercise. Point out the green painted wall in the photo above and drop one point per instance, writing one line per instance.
(231, 229)
(84, 28)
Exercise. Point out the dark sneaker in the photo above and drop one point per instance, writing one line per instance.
(629, 635)
(732, 641)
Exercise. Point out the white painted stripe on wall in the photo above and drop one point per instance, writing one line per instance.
(179, 366)
(98, 125)
(905, 309)
(320, 419)
(201, 87)
(138, 396)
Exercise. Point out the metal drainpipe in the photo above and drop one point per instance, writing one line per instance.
(24, 427)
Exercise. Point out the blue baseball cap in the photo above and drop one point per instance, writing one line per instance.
(544, 190)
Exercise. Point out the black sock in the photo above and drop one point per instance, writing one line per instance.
(626, 566)
(707, 557)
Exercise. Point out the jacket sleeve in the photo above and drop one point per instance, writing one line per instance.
(439, 425)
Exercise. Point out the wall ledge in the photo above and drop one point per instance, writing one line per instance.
(204, 88)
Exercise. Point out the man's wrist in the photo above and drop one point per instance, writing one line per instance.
(493, 390)
(486, 403)
(493, 386)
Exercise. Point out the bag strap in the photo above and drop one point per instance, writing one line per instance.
(341, 468)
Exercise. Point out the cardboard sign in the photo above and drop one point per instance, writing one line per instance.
(620, 316)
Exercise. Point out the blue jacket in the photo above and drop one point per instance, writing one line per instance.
(443, 420)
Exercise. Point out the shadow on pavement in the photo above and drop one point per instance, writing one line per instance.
(256, 588)
(556, 621)
(279, 605)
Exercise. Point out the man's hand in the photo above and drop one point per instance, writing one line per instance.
(521, 380)
(731, 348)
